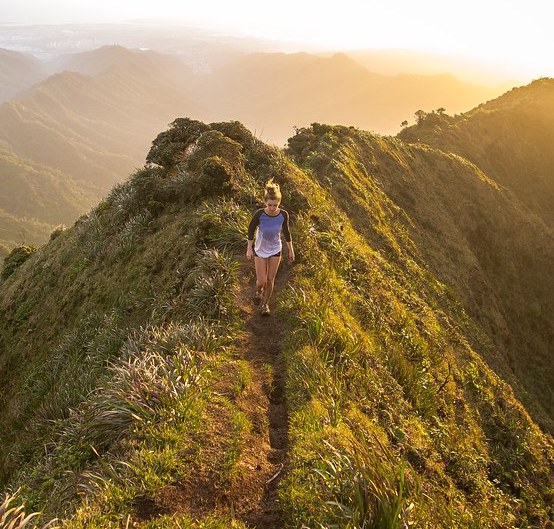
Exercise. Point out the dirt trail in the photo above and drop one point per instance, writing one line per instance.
(265, 403)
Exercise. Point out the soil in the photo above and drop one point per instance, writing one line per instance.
(262, 346)
(252, 495)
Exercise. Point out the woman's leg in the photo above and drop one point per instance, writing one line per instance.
(272, 267)
(261, 274)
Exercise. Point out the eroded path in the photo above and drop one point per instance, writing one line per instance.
(265, 404)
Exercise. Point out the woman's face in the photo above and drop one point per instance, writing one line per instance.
(272, 204)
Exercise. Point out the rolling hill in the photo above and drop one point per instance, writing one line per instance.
(18, 72)
(139, 385)
(509, 138)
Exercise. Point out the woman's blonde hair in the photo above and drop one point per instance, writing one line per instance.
(272, 191)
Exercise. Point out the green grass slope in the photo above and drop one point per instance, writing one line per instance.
(122, 380)
(510, 138)
(476, 238)
(34, 200)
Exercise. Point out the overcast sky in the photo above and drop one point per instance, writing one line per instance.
(515, 34)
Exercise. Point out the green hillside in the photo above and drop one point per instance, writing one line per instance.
(510, 138)
(472, 235)
(34, 200)
(140, 388)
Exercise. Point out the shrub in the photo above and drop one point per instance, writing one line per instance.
(16, 258)
(57, 232)
(170, 146)
(211, 285)
(223, 224)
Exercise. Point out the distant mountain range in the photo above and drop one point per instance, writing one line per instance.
(92, 115)
(18, 72)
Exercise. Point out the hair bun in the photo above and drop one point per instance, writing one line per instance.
(272, 190)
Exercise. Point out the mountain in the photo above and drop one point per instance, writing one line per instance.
(18, 72)
(31, 192)
(96, 128)
(75, 134)
(100, 60)
(509, 138)
(94, 117)
(272, 92)
(140, 386)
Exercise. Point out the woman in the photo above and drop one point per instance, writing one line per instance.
(266, 226)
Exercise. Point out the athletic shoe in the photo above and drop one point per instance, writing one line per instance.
(258, 295)
(265, 310)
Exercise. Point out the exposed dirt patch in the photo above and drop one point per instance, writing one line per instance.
(250, 493)
(261, 344)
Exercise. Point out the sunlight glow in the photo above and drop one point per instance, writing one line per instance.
(514, 35)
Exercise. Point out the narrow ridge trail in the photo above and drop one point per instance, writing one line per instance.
(261, 347)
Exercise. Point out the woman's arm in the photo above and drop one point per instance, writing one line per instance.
(287, 236)
(250, 249)
(290, 252)
(254, 222)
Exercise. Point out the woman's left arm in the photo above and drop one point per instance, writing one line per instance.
(287, 237)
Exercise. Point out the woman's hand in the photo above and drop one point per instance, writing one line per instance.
(249, 254)
(290, 256)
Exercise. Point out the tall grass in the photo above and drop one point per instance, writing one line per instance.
(12, 515)
(212, 282)
(365, 486)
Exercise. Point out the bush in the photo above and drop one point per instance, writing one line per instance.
(57, 232)
(171, 146)
(16, 258)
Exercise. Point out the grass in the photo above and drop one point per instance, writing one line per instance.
(371, 354)
(13, 516)
(394, 419)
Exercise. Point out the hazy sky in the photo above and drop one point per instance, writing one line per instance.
(514, 34)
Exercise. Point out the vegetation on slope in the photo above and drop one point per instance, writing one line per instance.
(121, 375)
(509, 138)
(396, 418)
(472, 235)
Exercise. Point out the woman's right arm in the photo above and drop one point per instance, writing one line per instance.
(251, 232)
(250, 250)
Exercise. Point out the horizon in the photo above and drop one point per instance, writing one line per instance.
(506, 37)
